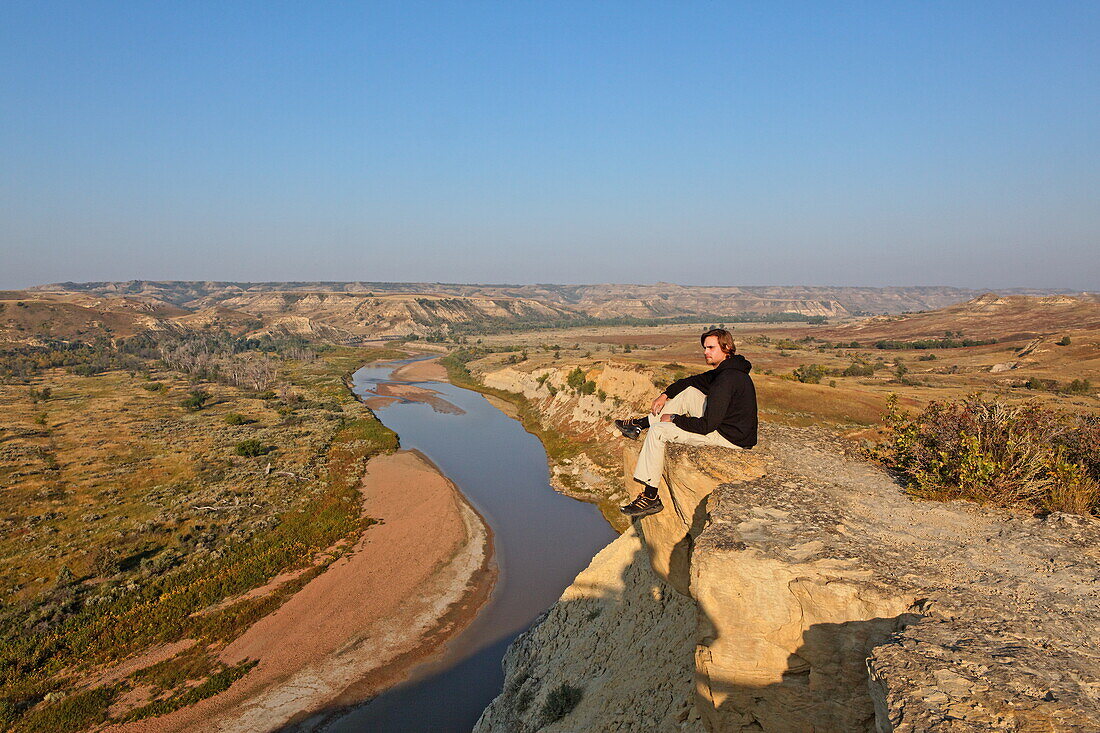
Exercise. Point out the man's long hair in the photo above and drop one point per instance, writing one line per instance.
(725, 340)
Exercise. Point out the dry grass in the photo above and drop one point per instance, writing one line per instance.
(778, 349)
(125, 514)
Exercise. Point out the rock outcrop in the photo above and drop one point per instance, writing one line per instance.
(583, 417)
(798, 588)
(619, 635)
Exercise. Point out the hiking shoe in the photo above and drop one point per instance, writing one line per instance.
(642, 506)
(629, 428)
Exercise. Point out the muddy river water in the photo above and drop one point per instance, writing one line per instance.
(542, 539)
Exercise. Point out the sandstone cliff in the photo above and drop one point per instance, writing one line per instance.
(585, 418)
(796, 588)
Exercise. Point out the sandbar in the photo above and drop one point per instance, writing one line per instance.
(429, 370)
(411, 583)
(413, 393)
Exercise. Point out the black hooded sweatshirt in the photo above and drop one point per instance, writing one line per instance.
(731, 401)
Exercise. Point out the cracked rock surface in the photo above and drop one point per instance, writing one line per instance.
(802, 589)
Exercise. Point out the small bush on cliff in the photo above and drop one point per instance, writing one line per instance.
(560, 702)
(579, 383)
(575, 378)
(986, 451)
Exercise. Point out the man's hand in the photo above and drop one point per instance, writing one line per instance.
(667, 418)
(659, 404)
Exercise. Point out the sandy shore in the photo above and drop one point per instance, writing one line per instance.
(412, 582)
(421, 371)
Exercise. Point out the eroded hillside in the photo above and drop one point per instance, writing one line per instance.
(608, 300)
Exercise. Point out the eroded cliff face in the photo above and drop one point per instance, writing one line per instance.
(620, 389)
(797, 588)
(620, 636)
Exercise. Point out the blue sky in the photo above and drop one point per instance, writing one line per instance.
(855, 143)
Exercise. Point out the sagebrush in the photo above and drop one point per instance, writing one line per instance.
(982, 449)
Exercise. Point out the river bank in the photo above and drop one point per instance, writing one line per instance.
(413, 581)
(541, 540)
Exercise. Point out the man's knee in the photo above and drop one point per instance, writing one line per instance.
(690, 402)
(663, 431)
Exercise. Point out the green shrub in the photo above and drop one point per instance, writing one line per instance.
(577, 381)
(252, 448)
(1045, 385)
(810, 373)
(234, 418)
(1065, 341)
(1078, 386)
(560, 702)
(986, 451)
(42, 395)
(196, 400)
(858, 369)
(948, 342)
(75, 712)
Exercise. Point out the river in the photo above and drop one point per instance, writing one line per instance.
(541, 538)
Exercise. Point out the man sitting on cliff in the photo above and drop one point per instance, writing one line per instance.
(713, 408)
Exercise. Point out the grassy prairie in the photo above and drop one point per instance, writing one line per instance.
(131, 522)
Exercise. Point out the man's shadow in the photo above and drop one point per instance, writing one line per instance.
(825, 685)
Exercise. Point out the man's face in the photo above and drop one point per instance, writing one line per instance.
(712, 352)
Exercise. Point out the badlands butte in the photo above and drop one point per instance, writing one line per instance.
(355, 310)
(186, 477)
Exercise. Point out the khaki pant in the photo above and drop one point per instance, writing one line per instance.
(651, 461)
